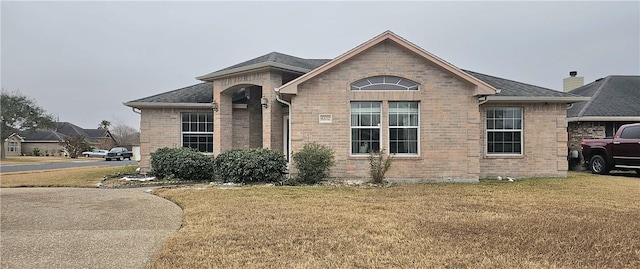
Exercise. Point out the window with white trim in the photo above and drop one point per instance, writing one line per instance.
(197, 131)
(403, 127)
(385, 83)
(504, 130)
(365, 127)
(12, 146)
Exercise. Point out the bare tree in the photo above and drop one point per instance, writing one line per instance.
(75, 145)
(125, 135)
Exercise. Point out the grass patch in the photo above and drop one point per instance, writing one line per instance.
(67, 177)
(584, 221)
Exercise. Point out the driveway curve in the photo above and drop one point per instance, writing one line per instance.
(83, 228)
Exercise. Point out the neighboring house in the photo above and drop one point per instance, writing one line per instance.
(13, 145)
(48, 141)
(441, 123)
(41, 142)
(615, 100)
(97, 138)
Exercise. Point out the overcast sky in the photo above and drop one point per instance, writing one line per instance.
(82, 60)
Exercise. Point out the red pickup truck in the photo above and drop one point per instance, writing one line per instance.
(622, 152)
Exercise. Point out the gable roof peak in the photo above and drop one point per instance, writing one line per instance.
(481, 88)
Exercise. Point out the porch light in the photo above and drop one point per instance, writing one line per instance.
(214, 106)
(264, 102)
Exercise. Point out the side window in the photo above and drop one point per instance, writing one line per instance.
(632, 132)
(504, 130)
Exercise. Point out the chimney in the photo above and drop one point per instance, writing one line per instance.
(572, 81)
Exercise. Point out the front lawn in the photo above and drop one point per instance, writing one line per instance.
(584, 221)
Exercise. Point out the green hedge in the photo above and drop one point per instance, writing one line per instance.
(182, 163)
(250, 165)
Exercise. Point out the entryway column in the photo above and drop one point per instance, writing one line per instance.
(222, 119)
(272, 114)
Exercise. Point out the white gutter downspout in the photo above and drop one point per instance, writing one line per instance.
(277, 90)
(482, 100)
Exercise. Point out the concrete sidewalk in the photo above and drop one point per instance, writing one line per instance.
(83, 228)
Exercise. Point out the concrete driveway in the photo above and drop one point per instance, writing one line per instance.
(83, 228)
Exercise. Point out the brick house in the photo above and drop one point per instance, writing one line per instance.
(440, 122)
(48, 141)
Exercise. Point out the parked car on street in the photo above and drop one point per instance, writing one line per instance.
(621, 152)
(119, 154)
(100, 153)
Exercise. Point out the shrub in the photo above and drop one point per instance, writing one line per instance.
(313, 162)
(379, 164)
(181, 163)
(36, 152)
(250, 165)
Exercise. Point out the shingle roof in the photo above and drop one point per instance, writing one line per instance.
(517, 89)
(41, 135)
(613, 96)
(203, 92)
(70, 129)
(63, 129)
(199, 93)
(273, 59)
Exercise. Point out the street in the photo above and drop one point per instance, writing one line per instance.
(47, 166)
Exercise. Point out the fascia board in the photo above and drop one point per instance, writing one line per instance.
(167, 105)
(604, 118)
(529, 99)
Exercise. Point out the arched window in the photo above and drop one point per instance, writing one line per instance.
(385, 83)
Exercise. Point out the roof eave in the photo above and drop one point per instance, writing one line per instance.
(252, 67)
(167, 105)
(604, 118)
(536, 99)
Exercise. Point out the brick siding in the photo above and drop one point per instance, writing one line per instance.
(449, 116)
(451, 130)
(159, 128)
(544, 150)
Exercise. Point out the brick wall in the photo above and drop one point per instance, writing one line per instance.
(52, 147)
(449, 121)
(241, 128)
(545, 144)
(160, 127)
(267, 128)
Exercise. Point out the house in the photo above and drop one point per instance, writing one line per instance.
(13, 145)
(440, 122)
(46, 142)
(614, 101)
